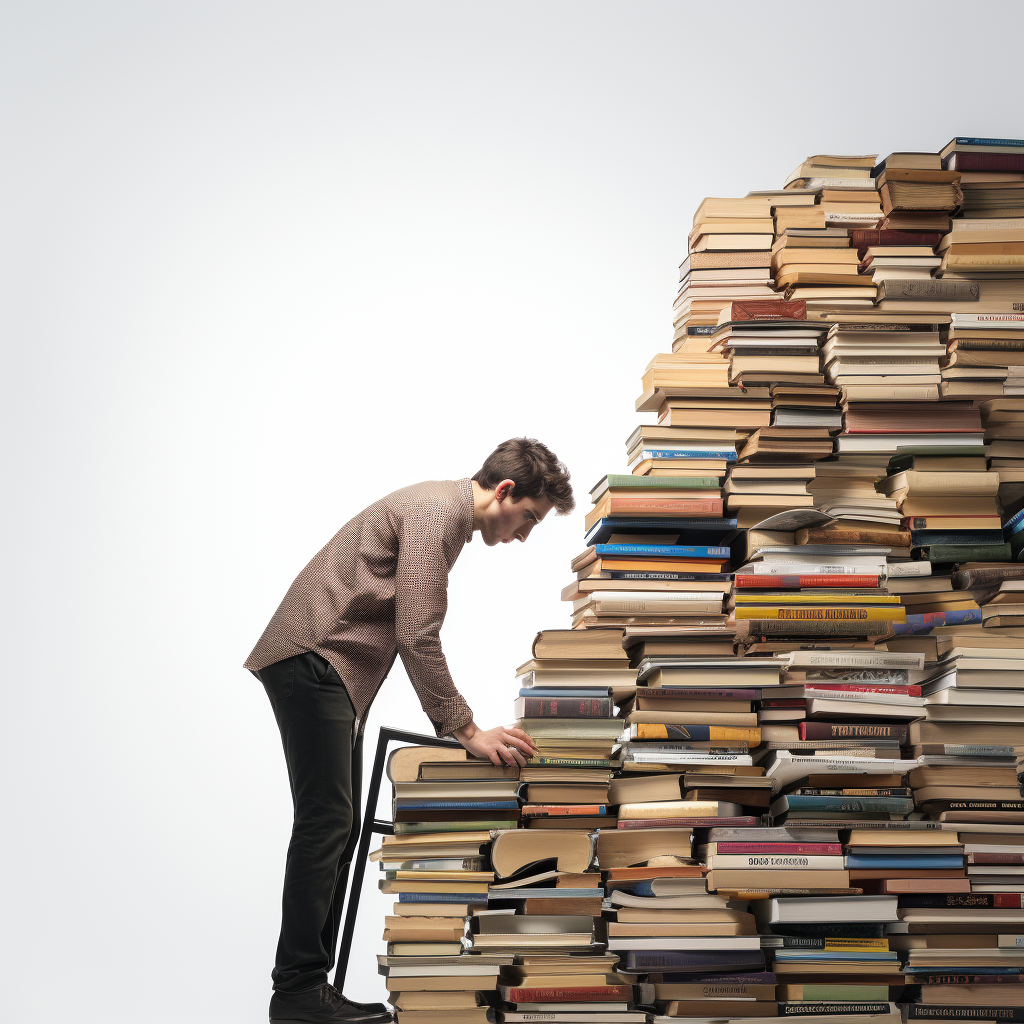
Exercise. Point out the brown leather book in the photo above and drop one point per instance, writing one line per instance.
(768, 309)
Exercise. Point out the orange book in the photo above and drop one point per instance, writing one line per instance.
(657, 564)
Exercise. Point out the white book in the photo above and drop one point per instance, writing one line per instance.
(784, 767)
(853, 659)
(812, 909)
(776, 861)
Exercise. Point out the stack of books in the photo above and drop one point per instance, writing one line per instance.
(781, 746)
(729, 248)
(983, 354)
(437, 865)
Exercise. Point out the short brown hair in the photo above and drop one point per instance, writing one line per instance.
(534, 468)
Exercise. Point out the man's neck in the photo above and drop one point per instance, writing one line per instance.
(479, 503)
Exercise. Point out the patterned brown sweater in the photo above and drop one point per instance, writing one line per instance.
(377, 589)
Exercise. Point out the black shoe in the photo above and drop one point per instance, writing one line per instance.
(321, 1005)
(370, 1009)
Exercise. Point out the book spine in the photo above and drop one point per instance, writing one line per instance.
(814, 849)
(654, 731)
(719, 454)
(989, 161)
(838, 731)
(921, 978)
(892, 612)
(826, 535)
(563, 810)
(974, 900)
(668, 506)
(778, 861)
(662, 550)
(749, 821)
(973, 805)
(930, 290)
(786, 627)
(805, 1008)
(607, 993)
(923, 1011)
(743, 580)
(926, 621)
(839, 804)
(693, 693)
(565, 707)
(863, 238)
(941, 553)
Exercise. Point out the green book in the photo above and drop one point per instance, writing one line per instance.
(660, 483)
(941, 553)
(839, 993)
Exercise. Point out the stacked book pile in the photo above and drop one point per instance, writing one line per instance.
(437, 865)
(780, 749)
(729, 247)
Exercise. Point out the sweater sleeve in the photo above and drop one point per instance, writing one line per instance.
(427, 537)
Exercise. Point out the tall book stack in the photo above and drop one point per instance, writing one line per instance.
(781, 745)
(437, 864)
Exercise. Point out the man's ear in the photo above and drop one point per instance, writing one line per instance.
(504, 489)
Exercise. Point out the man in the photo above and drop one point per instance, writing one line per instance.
(377, 590)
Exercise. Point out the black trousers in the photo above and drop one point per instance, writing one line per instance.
(324, 758)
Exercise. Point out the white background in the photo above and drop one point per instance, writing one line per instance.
(263, 263)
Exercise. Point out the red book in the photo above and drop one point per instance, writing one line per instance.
(843, 731)
(863, 238)
(762, 849)
(638, 504)
(564, 707)
(910, 690)
(562, 810)
(593, 993)
(986, 162)
(861, 581)
(768, 309)
(995, 858)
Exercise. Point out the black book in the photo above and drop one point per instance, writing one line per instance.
(925, 900)
(679, 961)
(919, 1011)
(827, 930)
(803, 1009)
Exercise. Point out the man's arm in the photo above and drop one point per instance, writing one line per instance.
(421, 601)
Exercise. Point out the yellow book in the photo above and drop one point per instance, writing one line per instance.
(652, 731)
(892, 613)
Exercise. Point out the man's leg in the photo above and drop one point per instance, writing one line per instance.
(316, 720)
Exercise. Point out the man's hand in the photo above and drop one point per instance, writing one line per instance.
(500, 745)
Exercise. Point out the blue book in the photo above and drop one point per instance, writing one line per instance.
(924, 622)
(661, 551)
(456, 805)
(924, 538)
(836, 804)
(904, 860)
(441, 897)
(726, 454)
(968, 141)
(1012, 531)
(1015, 522)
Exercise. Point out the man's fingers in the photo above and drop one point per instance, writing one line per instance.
(524, 745)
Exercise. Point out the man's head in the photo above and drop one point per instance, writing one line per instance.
(520, 482)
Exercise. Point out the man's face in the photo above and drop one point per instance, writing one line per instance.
(513, 519)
